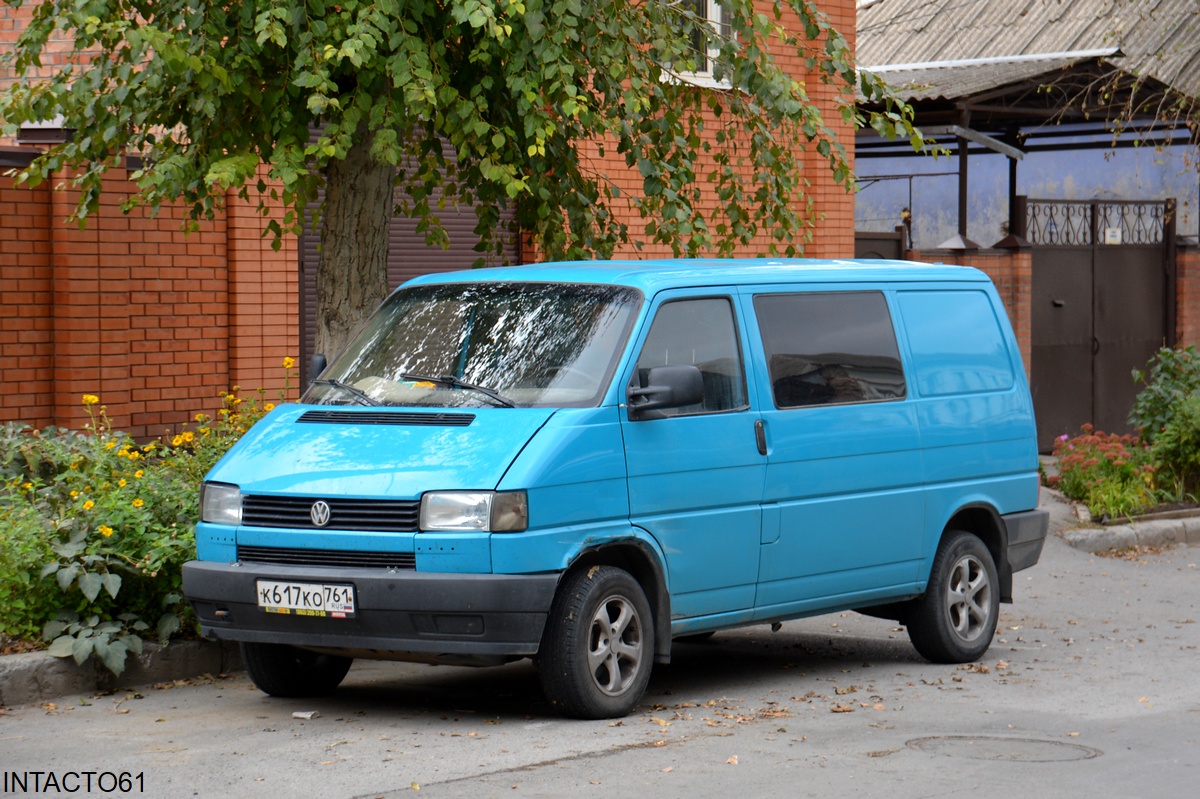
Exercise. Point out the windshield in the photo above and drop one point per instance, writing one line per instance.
(484, 344)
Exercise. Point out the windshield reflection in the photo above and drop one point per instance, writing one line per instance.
(485, 344)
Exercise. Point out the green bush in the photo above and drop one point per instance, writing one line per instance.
(1169, 378)
(1176, 452)
(94, 529)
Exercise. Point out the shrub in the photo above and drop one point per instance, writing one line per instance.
(1176, 451)
(1169, 378)
(1111, 474)
(94, 529)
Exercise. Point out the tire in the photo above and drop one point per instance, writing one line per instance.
(956, 618)
(285, 671)
(598, 648)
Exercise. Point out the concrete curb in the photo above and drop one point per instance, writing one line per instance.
(1149, 533)
(1073, 524)
(37, 677)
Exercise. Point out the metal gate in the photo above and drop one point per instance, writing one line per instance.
(1103, 299)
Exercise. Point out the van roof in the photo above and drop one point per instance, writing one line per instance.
(656, 275)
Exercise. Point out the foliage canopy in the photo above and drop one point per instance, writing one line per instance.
(493, 103)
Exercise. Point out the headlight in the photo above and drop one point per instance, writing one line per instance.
(477, 511)
(220, 503)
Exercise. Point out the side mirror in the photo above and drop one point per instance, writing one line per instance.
(316, 366)
(670, 387)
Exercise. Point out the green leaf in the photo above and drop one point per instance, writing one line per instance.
(90, 584)
(112, 584)
(81, 649)
(61, 647)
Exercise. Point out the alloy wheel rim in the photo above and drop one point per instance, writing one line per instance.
(969, 599)
(615, 645)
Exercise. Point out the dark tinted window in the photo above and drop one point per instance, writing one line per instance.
(702, 333)
(825, 349)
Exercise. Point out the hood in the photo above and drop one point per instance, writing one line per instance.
(397, 453)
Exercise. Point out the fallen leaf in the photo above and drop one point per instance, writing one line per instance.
(661, 722)
(415, 786)
(732, 761)
(668, 770)
(842, 709)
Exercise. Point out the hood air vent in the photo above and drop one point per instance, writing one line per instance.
(387, 417)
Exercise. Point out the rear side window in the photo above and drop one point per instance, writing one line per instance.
(956, 342)
(829, 349)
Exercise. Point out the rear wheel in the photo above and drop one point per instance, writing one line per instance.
(955, 620)
(285, 671)
(598, 647)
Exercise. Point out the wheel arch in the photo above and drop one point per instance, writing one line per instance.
(984, 522)
(638, 559)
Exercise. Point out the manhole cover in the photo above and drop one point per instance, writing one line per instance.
(984, 747)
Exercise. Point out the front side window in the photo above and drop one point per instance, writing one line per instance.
(481, 344)
(829, 349)
(699, 333)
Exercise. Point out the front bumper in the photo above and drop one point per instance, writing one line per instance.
(400, 614)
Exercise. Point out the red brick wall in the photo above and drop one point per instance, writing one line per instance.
(833, 236)
(1187, 296)
(154, 321)
(26, 300)
(1012, 272)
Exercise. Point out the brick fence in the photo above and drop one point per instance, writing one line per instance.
(155, 322)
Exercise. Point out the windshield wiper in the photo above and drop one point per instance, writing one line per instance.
(454, 382)
(359, 394)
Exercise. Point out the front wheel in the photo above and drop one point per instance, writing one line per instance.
(598, 647)
(955, 620)
(281, 670)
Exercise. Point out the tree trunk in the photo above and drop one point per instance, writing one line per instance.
(352, 268)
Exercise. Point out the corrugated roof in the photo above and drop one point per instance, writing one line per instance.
(1156, 38)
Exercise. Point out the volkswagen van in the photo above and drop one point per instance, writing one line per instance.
(580, 462)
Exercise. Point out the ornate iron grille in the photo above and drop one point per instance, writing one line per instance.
(1084, 223)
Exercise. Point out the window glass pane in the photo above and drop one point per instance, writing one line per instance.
(825, 349)
(538, 344)
(956, 342)
(701, 333)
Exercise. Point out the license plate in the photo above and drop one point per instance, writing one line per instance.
(325, 600)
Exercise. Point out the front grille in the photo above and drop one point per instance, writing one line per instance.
(327, 557)
(375, 515)
(388, 418)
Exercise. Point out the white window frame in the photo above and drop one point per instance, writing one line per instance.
(714, 12)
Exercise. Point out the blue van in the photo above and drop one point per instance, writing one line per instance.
(578, 463)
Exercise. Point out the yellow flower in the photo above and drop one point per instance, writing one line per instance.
(201, 417)
(137, 503)
(139, 474)
(270, 406)
(288, 363)
(89, 505)
(105, 530)
(90, 399)
(135, 455)
(189, 436)
(27, 486)
(74, 494)
(110, 445)
(121, 483)
(177, 441)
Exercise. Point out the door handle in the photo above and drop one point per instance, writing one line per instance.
(760, 436)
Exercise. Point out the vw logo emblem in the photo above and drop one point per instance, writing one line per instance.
(319, 513)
